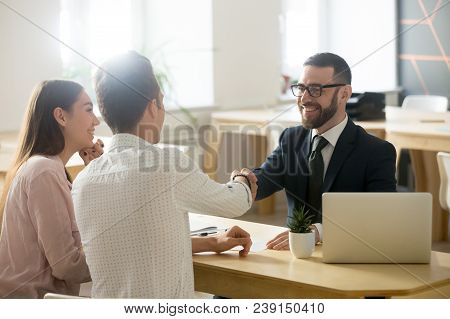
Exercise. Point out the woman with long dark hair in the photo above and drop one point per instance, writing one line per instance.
(40, 247)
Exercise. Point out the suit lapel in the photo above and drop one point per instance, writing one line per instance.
(344, 147)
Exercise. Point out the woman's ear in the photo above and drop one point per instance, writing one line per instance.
(60, 117)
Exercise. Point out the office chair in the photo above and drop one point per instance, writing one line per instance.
(429, 103)
(418, 105)
(443, 160)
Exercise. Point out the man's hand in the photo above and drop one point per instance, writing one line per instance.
(280, 242)
(251, 177)
(90, 153)
(316, 233)
(233, 237)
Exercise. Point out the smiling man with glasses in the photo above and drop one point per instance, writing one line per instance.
(328, 152)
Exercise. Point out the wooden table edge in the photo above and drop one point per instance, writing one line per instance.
(343, 293)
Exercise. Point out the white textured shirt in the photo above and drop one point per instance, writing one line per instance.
(332, 136)
(131, 207)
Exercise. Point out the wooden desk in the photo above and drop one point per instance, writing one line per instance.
(277, 274)
(8, 146)
(423, 139)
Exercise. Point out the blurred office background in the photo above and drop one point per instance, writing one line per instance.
(225, 55)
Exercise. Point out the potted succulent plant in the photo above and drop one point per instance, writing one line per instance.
(301, 237)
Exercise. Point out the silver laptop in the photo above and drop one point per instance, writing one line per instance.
(376, 227)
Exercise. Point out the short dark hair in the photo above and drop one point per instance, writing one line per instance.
(124, 86)
(342, 72)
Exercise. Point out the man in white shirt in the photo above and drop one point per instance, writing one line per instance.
(132, 203)
(328, 152)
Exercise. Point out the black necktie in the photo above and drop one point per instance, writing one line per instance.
(315, 180)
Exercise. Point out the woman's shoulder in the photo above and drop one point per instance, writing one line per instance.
(40, 164)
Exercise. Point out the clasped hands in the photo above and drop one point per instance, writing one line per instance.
(90, 153)
(250, 180)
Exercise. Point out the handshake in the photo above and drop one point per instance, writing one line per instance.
(246, 177)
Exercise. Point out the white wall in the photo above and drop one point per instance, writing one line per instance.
(247, 52)
(355, 30)
(27, 55)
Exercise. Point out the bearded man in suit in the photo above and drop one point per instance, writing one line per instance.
(328, 152)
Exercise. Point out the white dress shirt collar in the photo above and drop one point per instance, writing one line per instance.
(332, 135)
(127, 140)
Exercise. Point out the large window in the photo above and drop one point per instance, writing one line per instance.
(300, 34)
(179, 45)
(177, 36)
(362, 32)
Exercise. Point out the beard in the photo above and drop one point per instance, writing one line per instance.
(325, 114)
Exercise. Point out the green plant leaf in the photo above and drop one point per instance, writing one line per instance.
(300, 221)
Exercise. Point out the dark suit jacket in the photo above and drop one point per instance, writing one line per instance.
(360, 163)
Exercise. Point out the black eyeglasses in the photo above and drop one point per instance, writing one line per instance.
(315, 90)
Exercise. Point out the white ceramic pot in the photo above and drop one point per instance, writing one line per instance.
(302, 244)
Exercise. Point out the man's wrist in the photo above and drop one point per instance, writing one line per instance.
(241, 179)
(212, 243)
(204, 244)
(245, 185)
(319, 230)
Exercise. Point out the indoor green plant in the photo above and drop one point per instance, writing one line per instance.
(301, 237)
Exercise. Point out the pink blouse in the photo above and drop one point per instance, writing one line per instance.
(40, 243)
